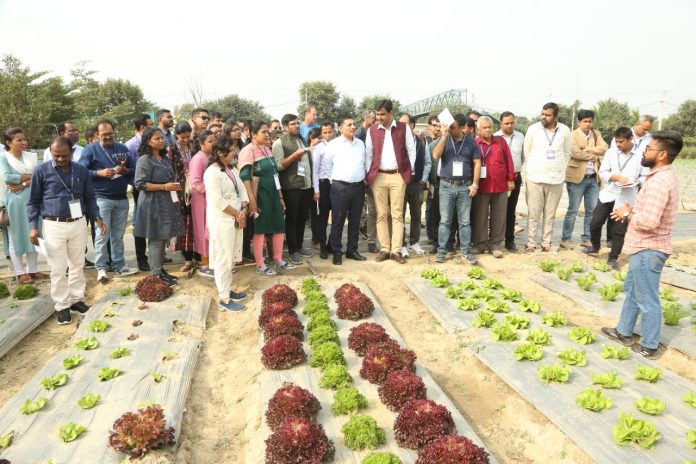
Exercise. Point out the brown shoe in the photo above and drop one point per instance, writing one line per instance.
(39, 276)
(382, 256)
(398, 258)
(25, 279)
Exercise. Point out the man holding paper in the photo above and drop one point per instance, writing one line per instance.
(61, 192)
(622, 173)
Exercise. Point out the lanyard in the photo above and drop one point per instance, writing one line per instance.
(113, 159)
(454, 147)
(170, 174)
(186, 155)
(268, 157)
(550, 140)
(232, 178)
(484, 155)
(621, 168)
(72, 181)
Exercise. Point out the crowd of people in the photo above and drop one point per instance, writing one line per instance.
(222, 192)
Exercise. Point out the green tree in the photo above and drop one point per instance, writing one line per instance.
(684, 120)
(368, 103)
(30, 101)
(568, 113)
(346, 108)
(323, 96)
(611, 114)
(233, 107)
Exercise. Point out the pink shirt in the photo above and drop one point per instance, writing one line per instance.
(654, 213)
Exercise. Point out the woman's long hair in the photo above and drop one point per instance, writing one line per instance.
(144, 148)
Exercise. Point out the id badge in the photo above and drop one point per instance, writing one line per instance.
(175, 197)
(550, 155)
(458, 169)
(483, 172)
(300, 169)
(277, 181)
(75, 209)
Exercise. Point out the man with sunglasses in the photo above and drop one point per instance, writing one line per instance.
(199, 121)
(648, 243)
(111, 169)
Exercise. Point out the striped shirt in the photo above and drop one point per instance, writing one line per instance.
(654, 213)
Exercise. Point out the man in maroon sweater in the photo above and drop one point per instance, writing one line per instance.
(497, 178)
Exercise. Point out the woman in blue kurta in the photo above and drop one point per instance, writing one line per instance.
(16, 166)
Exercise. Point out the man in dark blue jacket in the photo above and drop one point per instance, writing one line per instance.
(111, 170)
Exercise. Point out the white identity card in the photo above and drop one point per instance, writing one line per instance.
(277, 181)
(75, 209)
(175, 197)
(550, 155)
(41, 249)
(484, 172)
(457, 169)
(301, 169)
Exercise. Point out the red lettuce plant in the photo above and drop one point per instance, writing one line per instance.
(299, 440)
(422, 421)
(269, 310)
(278, 294)
(452, 449)
(364, 335)
(386, 357)
(283, 324)
(400, 388)
(136, 433)
(282, 352)
(355, 306)
(345, 290)
(151, 288)
(291, 401)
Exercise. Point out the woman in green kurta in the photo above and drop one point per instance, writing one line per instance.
(16, 167)
(259, 173)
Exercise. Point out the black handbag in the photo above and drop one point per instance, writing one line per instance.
(4, 217)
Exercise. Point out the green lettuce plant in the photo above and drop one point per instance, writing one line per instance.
(581, 335)
(672, 315)
(601, 266)
(531, 306)
(510, 294)
(107, 373)
(517, 322)
(651, 374)
(71, 431)
(72, 362)
(158, 377)
(315, 296)
(440, 281)
(503, 333)
(120, 352)
(528, 351)
(90, 343)
(553, 373)
(611, 352)
(467, 285)
(620, 275)
(547, 265)
(585, 282)
(578, 267)
(564, 272)
(454, 291)
(468, 304)
(483, 294)
(88, 400)
(381, 457)
(335, 376)
(632, 430)
(362, 432)
(313, 307)
(572, 357)
(668, 295)
(430, 273)
(98, 326)
(539, 337)
(30, 407)
(690, 398)
(652, 406)
(6, 440)
(484, 319)
(51, 383)
(556, 319)
(124, 291)
(348, 400)
(691, 438)
(326, 354)
(608, 381)
(609, 292)
(476, 273)
(321, 335)
(493, 284)
(319, 319)
(308, 285)
(497, 306)
(25, 292)
(593, 400)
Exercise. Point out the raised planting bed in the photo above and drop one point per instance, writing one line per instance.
(681, 337)
(679, 276)
(379, 417)
(139, 355)
(550, 364)
(19, 317)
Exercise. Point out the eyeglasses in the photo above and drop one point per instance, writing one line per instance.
(237, 129)
(652, 149)
(106, 134)
(205, 118)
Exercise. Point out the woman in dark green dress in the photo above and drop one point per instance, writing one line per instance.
(259, 172)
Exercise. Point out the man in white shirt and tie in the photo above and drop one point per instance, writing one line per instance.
(347, 165)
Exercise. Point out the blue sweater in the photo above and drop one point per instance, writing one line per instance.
(95, 158)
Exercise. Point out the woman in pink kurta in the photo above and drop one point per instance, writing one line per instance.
(199, 163)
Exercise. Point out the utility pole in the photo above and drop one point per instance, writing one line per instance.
(662, 109)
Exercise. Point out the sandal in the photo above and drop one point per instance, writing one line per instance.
(188, 265)
(265, 271)
(612, 333)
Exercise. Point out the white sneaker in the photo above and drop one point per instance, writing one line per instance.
(404, 252)
(101, 276)
(416, 248)
(125, 271)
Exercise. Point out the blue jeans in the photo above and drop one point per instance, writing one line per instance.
(642, 297)
(587, 188)
(451, 197)
(115, 216)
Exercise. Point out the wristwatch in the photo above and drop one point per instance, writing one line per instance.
(475, 186)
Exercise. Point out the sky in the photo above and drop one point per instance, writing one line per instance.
(508, 55)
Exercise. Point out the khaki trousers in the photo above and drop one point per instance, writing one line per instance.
(542, 202)
(65, 247)
(389, 191)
